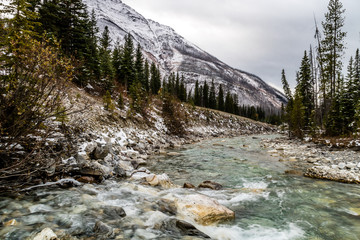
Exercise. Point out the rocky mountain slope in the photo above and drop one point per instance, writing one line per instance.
(173, 53)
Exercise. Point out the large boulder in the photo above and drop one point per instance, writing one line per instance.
(203, 210)
(93, 168)
(162, 180)
(101, 151)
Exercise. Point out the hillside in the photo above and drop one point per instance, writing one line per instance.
(173, 53)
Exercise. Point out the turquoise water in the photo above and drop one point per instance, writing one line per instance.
(268, 203)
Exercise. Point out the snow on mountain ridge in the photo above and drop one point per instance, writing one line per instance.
(173, 53)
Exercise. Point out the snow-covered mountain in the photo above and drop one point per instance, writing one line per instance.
(173, 53)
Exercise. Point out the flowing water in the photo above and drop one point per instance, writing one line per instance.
(268, 203)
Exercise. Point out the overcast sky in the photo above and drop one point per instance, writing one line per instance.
(258, 36)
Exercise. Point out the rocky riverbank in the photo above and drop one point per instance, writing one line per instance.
(318, 160)
(116, 145)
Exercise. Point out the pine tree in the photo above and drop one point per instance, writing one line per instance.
(212, 96)
(229, 103)
(332, 48)
(106, 67)
(290, 100)
(139, 67)
(146, 76)
(205, 95)
(155, 79)
(197, 94)
(117, 55)
(220, 100)
(183, 93)
(306, 89)
(297, 117)
(127, 64)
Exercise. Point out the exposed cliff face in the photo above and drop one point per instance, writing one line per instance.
(173, 53)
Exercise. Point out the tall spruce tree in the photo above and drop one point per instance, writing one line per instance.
(106, 67)
(146, 75)
(306, 89)
(139, 67)
(127, 64)
(220, 99)
(197, 94)
(212, 96)
(205, 94)
(332, 49)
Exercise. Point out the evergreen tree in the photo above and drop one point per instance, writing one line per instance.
(205, 94)
(229, 103)
(177, 86)
(146, 76)
(297, 115)
(197, 94)
(290, 100)
(212, 96)
(117, 56)
(139, 67)
(183, 93)
(220, 100)
(127, 64)
(332, 48)
(306, 89)
(155, 79)
(106, 67)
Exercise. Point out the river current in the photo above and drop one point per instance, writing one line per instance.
(268, 203)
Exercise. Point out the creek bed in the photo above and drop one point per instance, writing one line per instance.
(268, 203)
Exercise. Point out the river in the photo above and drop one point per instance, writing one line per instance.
(268, 203)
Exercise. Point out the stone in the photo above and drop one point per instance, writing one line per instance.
(350, 165)
(210, 184)
(101, 151)
(181, 228)
(173, 154)
(203, 209)
(126, 165)
(103, 231)
(162, 180)
(90, 147)
(115, 212)
(94, 168)
(188, 185)
(143, 234)
(165, 206)
(11, 222)
(86, 179)
(294, 172)
(341, 165)
(45, 234)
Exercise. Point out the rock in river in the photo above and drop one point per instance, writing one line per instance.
(203, 210)
(45, 234)
(210, 184)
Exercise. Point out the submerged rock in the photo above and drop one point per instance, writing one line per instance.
(46, 234)
(203, 210)
(181, 228)
(103, 231)
(115, 212)
(210, 184)
(188, 185)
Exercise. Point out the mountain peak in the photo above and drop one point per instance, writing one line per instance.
(173, 53)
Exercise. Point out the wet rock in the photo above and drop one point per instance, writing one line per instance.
(210, 184)
(136, 163)
(94, 168)
(119, 172)
(165, 206)
(173, 154)
(181, 228)
(329, 173)
(203, 210)
(86, 179)
(103, 231)
(11, 222)
(162, 180)
(101, 151)
(114, 212)
(46, 234)
(143, 234)
(188, 185)
(294, 172)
